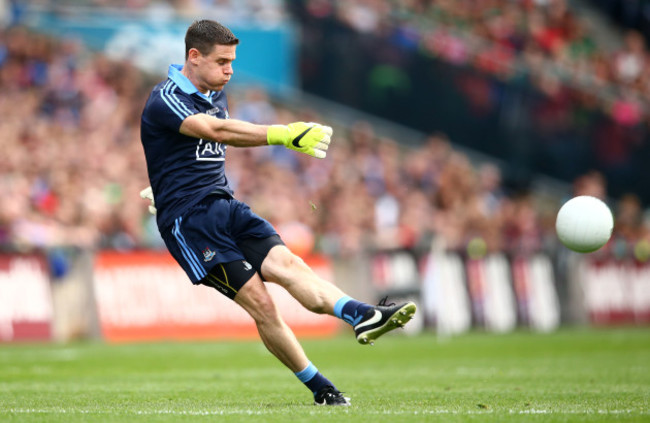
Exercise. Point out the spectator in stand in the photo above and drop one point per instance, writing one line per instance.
(631, 59)
(628, 223)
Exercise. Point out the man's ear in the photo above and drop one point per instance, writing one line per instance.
(193, 54)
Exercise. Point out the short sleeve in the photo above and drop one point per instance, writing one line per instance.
(169, 106)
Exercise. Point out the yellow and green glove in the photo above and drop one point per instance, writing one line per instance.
(309, 138)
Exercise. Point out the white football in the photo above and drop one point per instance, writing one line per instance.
(584, 224)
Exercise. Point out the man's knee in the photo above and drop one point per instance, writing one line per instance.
(279, 263)
(257, 301)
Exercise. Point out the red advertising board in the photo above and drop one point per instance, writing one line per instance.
(25, 298)
(146, 296)
(615, 291)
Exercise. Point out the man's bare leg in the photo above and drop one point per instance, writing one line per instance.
(282, 343)
(320, 296)
(276, 335)
(290, 271)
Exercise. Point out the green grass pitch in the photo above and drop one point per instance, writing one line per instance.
(571, 375)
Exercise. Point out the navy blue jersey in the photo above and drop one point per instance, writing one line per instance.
(182, 170)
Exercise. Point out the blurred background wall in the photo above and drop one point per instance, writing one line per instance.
(460, 128)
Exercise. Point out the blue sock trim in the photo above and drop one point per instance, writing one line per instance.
(308, 373)
(338, 307)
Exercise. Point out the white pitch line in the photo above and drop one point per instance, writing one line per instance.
(265, 412)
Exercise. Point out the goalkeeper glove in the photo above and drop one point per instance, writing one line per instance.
(147, 194)
(309, 138)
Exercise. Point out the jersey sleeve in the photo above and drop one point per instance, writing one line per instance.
(169, 108)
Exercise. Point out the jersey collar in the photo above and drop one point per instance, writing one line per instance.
(183, 83)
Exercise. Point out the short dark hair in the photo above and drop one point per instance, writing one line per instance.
(204, 34)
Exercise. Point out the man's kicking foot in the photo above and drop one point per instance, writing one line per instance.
(383, 318)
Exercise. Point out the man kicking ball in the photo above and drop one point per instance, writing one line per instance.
(218, 240)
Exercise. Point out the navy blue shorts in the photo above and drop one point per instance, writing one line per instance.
(215, 231)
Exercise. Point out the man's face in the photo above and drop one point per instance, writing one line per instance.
(214, 70)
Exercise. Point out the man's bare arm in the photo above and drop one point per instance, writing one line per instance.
(233, 132)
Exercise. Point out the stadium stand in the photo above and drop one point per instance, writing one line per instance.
(73, 169)
(531, 82)
(86, 168)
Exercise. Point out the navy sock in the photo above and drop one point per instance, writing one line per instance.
(312, 378)
(350, 310)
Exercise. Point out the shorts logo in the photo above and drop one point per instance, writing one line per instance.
(247, 265)
(208, 254)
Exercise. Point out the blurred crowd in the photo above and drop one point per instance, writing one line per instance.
(531, 82)
(261, 12)
(544, 41)
(72, 167)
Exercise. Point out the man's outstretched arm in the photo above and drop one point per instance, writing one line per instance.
(308, 138)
